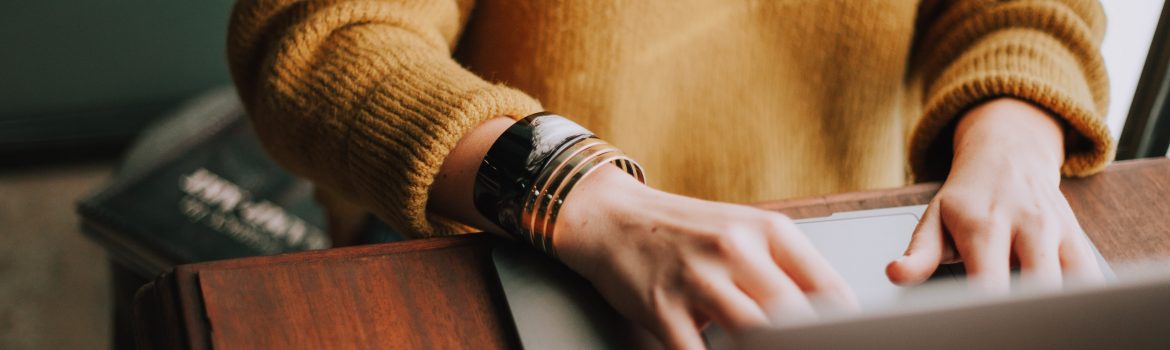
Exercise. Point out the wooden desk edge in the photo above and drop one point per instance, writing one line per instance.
(921, 193)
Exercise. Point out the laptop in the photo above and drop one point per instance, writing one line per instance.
(553, 307)
(1131, 313)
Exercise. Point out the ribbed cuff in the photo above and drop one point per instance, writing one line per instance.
(1029, 66)
(395, 151)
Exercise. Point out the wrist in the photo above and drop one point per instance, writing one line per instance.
(602, 204)
(528, 173)
(1009, 130)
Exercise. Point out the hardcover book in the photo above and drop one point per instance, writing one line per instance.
(197, 186)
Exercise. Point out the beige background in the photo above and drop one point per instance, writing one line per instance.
(54, 288)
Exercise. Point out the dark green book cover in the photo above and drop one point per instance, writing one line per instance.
(198, 187)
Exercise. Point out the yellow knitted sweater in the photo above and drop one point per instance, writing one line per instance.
(721, 99)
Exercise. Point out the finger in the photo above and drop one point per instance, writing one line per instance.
(677, 329)
(794, 310)
(807, 268)
(769, 286)
(986, 253)
(1038, 252)
(729, 307)
(1079, 261)
(923, 254)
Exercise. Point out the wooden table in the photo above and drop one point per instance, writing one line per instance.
(443, 292)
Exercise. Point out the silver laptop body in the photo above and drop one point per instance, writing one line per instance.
(554, 308)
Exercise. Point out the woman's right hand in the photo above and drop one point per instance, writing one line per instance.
(673, 263)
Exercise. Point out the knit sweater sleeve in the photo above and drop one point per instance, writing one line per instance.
(1043, 52)
(363, 97)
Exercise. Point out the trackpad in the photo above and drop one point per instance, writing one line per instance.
(859, 248)
(860, 244)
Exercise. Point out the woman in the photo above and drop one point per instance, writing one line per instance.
(387, 105)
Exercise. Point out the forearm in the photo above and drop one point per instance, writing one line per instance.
(632, 241)
(363, 98)
(451, 193)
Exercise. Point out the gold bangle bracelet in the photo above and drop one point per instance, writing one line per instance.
(551, 220)
(540, 187)
(540, 207)
(548, 194)
(544, 211)
(538, 211)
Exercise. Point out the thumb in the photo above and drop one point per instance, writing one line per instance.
(925, 252)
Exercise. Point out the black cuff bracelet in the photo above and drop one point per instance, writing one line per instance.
(530, 169)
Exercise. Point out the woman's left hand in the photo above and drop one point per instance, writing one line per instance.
(1000, 205)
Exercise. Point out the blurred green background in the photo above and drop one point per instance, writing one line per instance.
(79, 74)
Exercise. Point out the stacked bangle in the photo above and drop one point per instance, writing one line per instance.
(530, 170)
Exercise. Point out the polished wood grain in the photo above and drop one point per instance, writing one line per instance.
(365, 297)
(443, 292)
(1126, 210)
